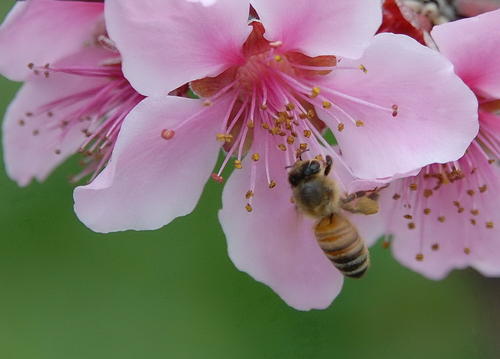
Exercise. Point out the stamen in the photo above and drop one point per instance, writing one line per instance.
(217, 178)
(167, 134)
(315, 91)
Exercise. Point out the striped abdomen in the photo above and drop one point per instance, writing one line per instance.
(340, 241)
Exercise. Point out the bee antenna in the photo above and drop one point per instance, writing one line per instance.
(287, 167)
(299, 154)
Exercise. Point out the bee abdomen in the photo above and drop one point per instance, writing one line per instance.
(340, 241)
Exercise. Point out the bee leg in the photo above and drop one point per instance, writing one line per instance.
(328, 167)
(331, 218)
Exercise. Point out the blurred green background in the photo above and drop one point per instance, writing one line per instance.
(68, 293)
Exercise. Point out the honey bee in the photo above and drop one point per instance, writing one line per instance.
(318, 196)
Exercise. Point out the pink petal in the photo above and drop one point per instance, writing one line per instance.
(472, 46)
(44, 31)
(33, 142)
(167, 43)
(437, 116)
(274, 243)
(150, 180)
(321, 27)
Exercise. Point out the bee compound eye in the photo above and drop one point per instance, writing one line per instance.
(313, 168)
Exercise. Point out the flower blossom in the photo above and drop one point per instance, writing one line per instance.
(448, 215)
(268, 86)
(75, 96)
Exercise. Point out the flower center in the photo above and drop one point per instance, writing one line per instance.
(273, 100)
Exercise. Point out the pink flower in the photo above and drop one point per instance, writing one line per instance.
(388, 100)
(448, 215)
(75, 96)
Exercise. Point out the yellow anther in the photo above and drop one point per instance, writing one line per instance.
(435, 247)
(363, 68)
(359, 123)
(57, 151)
(427, 211)
(265, 126)
(290, 140)
(237, 164)
(483, 189)
(221, 137)
(315, 92)
(327, 104)
(275, 130)
(442, 219)
(340, 127)
(396, 196)
(413, 186)
(255, 157)
(473, 221)
(249, 194)
(290, 107)
(427, 193)
(303, 146)
(467, 251)
(461, 210)
(272, 184)
(474, 212)
(278, 58)
(263, 106)
(311, 114)
(319, 158)
(249, 208)
(282, 147)
(411, 225)
(408, 216)
(207, 103)
(386, 244)
(307, 133)
(489, 225)
(250, 124)
(419, 257)
(471, 192)
(302, 115)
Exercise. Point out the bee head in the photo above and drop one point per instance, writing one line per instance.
(302, 171)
